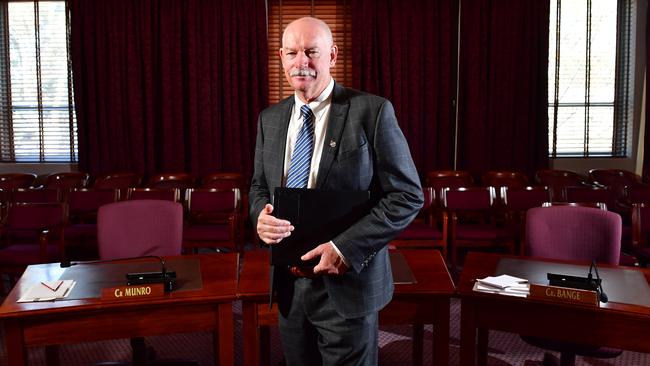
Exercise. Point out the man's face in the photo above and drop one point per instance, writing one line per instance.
(307, 55)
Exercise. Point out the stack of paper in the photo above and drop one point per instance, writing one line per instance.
(503, 284)
(48, 291)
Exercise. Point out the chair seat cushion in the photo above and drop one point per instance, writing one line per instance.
(418, 231)
(206, 233)
(576, 348)
(26, 254)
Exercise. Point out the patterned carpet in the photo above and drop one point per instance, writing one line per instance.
(395, 348)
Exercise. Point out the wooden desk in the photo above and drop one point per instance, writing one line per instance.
(71, 321)
(425, 302)
(613, 324)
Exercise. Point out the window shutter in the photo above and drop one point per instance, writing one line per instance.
(336, 13)
(37, 121)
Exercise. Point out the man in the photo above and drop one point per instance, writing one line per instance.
(329, 137)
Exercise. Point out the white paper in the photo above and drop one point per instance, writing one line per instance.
(48, 291)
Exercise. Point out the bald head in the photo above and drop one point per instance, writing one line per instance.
(309, 24)
(308, 52)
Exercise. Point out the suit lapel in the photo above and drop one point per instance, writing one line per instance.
(335, 125)
(280, 140)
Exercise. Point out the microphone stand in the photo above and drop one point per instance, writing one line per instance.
(167, 278)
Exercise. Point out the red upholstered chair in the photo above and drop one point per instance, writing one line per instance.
(81, 228)
(503, 179)
(33, 233)
(441, 179)
(9, 181)
(214, 217)
(471, 223)
(230, 180)
(517, 202)
(641, 232)
(36, 195)
(225, 180)
(118, 180)
(584, 194)
(138, 228)
(172, 180)
(165, 194)
(573, 233)
(66, 180)
(424, 232)
(638, 193)
(556, 180)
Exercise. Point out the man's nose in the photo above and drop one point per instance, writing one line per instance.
(302, 59)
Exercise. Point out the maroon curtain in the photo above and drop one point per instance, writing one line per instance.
(646, 136)
(168, 85)
(405, 51)
(503, 118)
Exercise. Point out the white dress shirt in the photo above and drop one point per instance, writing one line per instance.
(321, 109)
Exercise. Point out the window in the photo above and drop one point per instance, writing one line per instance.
(37, 119)
(590, 72)
(336, 13)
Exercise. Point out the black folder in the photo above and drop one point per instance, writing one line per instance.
(317, 216)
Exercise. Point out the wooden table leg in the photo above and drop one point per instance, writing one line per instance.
(16, 351)
(467, 333)
(440, 344)
(250, 329)
(418, 340)
(265, 350)
(224, 336)
(52, 356)
(482, 346)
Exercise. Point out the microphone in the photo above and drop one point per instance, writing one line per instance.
(602, 296)
(167, 278)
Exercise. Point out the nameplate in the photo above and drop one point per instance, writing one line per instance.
(133, 292)
(564, 295)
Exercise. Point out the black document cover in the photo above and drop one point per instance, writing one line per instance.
(317, 216)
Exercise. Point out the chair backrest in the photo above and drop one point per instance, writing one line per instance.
(638, 193)
(119, 180)
(499, 178)
(590, 195)
(467, 199)
(172, 180)
(204, 204)
(36, 195)
(557, 179)
(36, 216)
(166, 194)
(225, 180)
(598, 205)
(614, 177)
(66, 180)
(140, 227)
(10, 181)
(441, 179)
(574, 233)
(84, 203)
(522, 199)
(640, 225)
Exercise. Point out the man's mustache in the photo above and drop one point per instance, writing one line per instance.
(303, 72)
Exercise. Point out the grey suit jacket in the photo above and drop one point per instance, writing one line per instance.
(370, 153)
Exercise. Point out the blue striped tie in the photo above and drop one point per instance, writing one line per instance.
(298, 175)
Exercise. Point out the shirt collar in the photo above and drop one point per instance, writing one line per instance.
(320, 102)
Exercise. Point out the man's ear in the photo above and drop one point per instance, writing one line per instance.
(334, 52)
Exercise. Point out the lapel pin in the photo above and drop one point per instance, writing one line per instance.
(332, 143)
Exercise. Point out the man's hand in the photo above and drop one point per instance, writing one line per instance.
(330, 262)
(270, 229)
